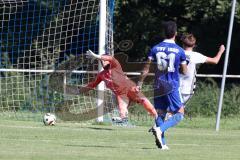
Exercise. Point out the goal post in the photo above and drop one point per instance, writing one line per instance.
(220, 102)
(101, 50)
(43, 46)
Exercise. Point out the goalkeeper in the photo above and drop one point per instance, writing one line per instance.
(125, 90)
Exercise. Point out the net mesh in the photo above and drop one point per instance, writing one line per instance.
(42, 52)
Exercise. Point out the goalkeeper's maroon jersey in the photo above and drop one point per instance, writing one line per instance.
(118, 82)
(114, 77)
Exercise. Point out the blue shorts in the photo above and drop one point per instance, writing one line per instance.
(170, 102)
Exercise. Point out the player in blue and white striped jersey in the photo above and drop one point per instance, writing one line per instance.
(187, 81)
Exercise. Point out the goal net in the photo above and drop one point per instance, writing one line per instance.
(43, 43)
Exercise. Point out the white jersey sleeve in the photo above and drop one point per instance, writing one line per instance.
(196, 58)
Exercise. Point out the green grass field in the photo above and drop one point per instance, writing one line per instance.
(23, 140)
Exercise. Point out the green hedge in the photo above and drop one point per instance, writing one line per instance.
(205, 100)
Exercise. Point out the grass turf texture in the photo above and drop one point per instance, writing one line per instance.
(24, 140)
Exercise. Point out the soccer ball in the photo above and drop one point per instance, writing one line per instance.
(49, 119)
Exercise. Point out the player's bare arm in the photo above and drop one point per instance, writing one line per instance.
(144, 73)
(216, 59)
(183, 68)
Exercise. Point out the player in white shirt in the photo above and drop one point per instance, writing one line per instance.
(187, 81)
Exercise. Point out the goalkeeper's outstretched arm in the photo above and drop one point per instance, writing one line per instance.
(75, 90)
(114, 62)
(92, 55)
(100, 57)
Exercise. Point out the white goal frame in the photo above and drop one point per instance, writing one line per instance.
(101, 50)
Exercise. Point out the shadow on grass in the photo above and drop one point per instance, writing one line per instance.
(144, 148)
(103, 146)
(100, 128)
(91, 146)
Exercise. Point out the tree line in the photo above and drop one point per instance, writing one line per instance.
(140, 21)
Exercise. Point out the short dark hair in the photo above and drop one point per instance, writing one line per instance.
(188, 40)
(170, 29)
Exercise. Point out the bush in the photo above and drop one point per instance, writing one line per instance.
(205, 100)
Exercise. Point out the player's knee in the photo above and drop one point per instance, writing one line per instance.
(142, 100)
(168, 115)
